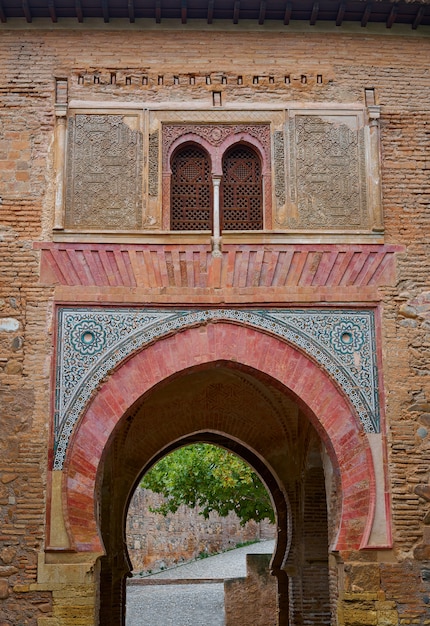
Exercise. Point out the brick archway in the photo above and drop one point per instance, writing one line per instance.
(318, 396)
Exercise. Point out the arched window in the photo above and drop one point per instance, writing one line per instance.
(241, 190)
(191, 189)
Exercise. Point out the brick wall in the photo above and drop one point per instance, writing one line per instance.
(315, 593)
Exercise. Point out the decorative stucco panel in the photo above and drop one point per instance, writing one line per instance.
(104, 172)
(327, 166)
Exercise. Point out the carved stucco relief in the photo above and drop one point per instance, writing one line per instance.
(216, 134)
(91, 342)
(153, 169)
(320, 177)
(327, 171)
(104, 172)
(279, 174)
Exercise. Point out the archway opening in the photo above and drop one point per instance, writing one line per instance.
(195, 502)
(192, 521)
(250, 414)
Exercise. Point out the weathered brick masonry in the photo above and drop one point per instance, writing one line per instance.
(52, 572)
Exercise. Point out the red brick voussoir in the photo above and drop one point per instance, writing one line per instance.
(326, 406)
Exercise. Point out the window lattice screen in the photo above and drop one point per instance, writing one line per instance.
(242, 206)
(191, 190)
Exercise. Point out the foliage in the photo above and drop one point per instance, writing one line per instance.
(212, 478)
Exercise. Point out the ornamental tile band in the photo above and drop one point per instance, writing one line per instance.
(91, 342)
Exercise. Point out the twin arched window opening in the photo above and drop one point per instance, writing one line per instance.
(241, 196)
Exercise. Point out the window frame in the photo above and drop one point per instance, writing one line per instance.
(257, 155)
(216, 154)
(173, 159)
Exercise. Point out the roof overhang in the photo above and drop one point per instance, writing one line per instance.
(414, 13)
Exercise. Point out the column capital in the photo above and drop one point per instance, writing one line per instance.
(60, 111)
(374, 111)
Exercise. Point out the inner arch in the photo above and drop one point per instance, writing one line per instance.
(243, 411)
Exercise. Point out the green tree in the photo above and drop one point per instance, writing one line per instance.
(212, 478)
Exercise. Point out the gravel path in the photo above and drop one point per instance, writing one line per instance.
(176, 605)
(173, 603)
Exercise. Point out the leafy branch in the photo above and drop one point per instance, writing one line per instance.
(212, 478)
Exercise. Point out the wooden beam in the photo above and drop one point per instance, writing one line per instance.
(288, 12)
(184, 11)
(131, 16)
(314, 14)
(211, 4)
(79, 12)
(26, 9)
(366, 15)
(392, 16)
(341, 13)
(105, 9)
(262, 13)
(236, 11)
(418, 18)
(3, 17)
(158, 11)
(52, 11)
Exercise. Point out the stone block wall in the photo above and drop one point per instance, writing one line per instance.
(252, 600)
(156, 542)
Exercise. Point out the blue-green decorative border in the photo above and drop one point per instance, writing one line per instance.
(92, 341)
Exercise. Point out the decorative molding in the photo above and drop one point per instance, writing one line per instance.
(241, 115)
(215, 135)
(91, 342)
(374, 112)
(104, 173)
(59, 160)
(328, 172)
(255, 266)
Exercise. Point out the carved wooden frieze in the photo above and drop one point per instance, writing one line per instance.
(104, 172)
(327, 171)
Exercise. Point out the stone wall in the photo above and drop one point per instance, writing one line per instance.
(155, 542)
(258, 585)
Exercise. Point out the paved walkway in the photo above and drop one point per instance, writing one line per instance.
(167, 598)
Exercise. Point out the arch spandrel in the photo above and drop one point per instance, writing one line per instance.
(318, 395)
(92, 342)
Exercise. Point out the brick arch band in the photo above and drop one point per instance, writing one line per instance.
(326, 406)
